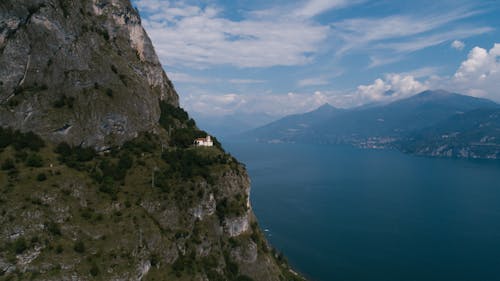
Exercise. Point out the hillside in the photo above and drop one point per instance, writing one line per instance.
(293, 127)
(375, 126)
(474, 134)
(98, 176)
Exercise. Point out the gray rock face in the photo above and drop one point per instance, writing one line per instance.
(84, 72)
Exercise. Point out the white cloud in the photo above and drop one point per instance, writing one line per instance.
(422, 42)
(376, 61)
(316, 7)
(271, 104)
(287, 35)
(392, 87)
(427, 71)
(480, 73)
(402, 34)
(313, 81)
(179, 77)
(201, 37)
(458, 45)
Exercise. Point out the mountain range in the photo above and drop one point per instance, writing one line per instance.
(413, 125)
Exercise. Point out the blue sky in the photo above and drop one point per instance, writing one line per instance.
(282, 57)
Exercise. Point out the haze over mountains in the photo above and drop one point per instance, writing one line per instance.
(436, 123)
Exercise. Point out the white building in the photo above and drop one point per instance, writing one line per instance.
(204, 141)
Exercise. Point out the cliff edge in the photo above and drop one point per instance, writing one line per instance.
(99, 179)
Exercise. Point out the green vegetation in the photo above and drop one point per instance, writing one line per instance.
(34, 160)
(109, 92)
(20, 140)
(117, 196)
(41, 177)
(79, 247)
(63, 101)
(8, 164)
(181, 136)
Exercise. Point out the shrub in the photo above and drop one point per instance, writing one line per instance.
(184, 137)
(71, 156)
(227, 207)
(20, 140)
(154, 259)
(53, 228)
(108, 186)
(59, 249)
(20, 246)
(79, 247)
(64, 101)
(169, 113)
(8, 164)
(87, 213)
(41, 177)
(34, 160)
(109, 92)
(94, 270)
(232, 268)
(6, 137)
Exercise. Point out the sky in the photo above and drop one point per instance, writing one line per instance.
(281, 57)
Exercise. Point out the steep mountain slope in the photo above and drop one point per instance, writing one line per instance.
(109, 186)
(474, 134)
(80, 71)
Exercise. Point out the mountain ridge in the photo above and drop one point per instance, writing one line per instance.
(373, 127)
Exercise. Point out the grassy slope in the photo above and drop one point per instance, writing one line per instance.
(99, 217)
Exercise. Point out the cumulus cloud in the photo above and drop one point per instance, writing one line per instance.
(480, 74)
(457, 45)
(394, 86)
(201, 37)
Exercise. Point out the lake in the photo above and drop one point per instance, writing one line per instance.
(347, 214)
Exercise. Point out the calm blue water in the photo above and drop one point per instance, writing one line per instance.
(346, 214)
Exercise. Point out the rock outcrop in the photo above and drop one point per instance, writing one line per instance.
(84, 72)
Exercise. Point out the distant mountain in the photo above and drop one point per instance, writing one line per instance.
(232, 124)
(290, 127)
(372, 127)
(398, 118)
(474, 134)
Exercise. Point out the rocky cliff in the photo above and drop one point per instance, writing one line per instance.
(98, 177)
(80, 71)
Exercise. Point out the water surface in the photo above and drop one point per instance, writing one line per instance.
(341, 213)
